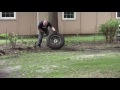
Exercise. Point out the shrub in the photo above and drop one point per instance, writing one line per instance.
(13, 37)
(3, 36)
(109, 29)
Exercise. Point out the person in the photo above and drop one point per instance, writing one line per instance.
(43, 28)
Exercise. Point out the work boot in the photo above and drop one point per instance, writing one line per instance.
(39, 45)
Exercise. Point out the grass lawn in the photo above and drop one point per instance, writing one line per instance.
(58, 64)
(79, 38)
(62, 64)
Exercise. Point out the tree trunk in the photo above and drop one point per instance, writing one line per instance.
(53, 18)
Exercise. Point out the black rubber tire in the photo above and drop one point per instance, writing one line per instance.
(55, 40)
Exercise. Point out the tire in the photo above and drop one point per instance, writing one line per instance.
(55, 40)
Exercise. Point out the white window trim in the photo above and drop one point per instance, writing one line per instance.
(68, 18)
(116, 16)
(5, 18)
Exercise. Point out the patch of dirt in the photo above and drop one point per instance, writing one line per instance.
(11, 69)
(88, 47)
(3, 74)
(93, 46)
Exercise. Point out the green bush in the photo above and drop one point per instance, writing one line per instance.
(3, 36)
(13, 37)
(109, 29)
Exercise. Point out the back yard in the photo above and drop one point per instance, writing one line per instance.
(81, 57)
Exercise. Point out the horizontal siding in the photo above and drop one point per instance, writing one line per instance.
(8, 26)
(85, 23)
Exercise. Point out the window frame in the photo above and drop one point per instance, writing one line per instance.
(68, 18)
(6, 18)
(117, 16)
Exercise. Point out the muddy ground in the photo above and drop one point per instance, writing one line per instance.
(88, 46)
(92, 46)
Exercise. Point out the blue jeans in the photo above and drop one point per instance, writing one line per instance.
(40, 36)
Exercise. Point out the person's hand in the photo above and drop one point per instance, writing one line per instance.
(55, 32)
(53, 29)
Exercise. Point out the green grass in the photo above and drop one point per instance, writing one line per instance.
(58, 64)
(73, 38)
(79, 38)
(62, 64)
(2, 41)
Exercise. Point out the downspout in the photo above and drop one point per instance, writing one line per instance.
(111, 15)
(96, 29)
(37, 20)
(80, 23)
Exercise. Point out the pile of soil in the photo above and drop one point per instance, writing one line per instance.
(6, 49)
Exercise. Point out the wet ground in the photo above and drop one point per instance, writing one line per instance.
(92, 46)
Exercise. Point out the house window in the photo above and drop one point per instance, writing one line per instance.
(7, 15)
(117, 15)
(68, 15)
